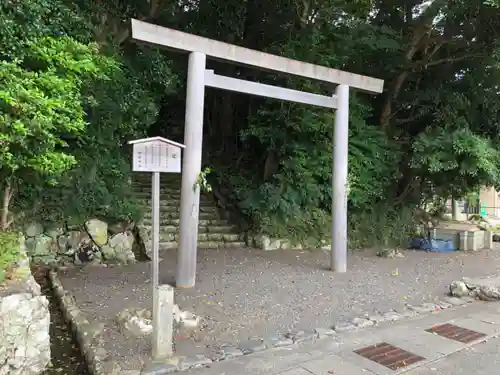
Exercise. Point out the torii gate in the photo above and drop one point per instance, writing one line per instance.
(198, 77)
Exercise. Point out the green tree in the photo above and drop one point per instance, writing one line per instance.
(41, 102)
(116, 96)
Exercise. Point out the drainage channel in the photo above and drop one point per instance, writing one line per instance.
(66, 356)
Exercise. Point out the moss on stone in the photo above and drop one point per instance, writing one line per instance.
(10, 254)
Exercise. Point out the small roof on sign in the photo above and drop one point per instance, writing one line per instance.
(153, 139)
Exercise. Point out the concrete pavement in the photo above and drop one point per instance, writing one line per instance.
(480, 359)
(395, 348)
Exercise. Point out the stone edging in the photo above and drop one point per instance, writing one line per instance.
(260, 344)
(90, 340)
(88, 335)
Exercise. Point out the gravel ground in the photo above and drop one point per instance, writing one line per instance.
(244, 293)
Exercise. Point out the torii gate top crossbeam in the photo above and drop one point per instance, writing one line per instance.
(157, 35)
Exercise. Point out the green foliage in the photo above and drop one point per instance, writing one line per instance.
(94, 188)
(69, 103)
(455, 160)
(41, 102)
(9, 252)
(295, 200)
(27, 20)
(202, 181)
(381, 225)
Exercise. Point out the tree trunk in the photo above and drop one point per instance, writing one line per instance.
(7, 195)
(271, 164)
(419, 41)
(454, 209)
(386, 115)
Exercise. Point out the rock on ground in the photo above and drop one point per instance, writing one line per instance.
(459, 289)
(98, 231)
(139, 322)
(485, 288)
(24, 329)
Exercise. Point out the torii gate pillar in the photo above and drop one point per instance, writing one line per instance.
(339, 181)
(191, 168)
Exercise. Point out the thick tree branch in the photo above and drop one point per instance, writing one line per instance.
(419, 35)
(408, 119)
(452, 59)
(420, 40)
(8, 192)
(303, 11)
(121, 30)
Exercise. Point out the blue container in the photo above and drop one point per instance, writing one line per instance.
(434, 245)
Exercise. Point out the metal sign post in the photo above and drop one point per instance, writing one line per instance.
(157, 155)
(155, 239)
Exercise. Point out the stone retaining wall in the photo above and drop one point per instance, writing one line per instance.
(24, 324)
(92, 242)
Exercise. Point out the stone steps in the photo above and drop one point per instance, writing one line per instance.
(171, 207)
(143, 191)
(176, 222)
(173, 195)
(169, 197)
(146, 177)
(213, 232)
(202, 237)
(224, 233)
(163, 188)
(169, 201)
(163, 183)
(221, 229)
(205, 245)
(168, 216)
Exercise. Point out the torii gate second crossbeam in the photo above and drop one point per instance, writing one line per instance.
(198, 78)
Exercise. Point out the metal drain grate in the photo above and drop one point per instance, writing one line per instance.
(388, 355)
(453, 332)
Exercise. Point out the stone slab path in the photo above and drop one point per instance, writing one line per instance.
(245, 293)
(337, 355)
(480, 359)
